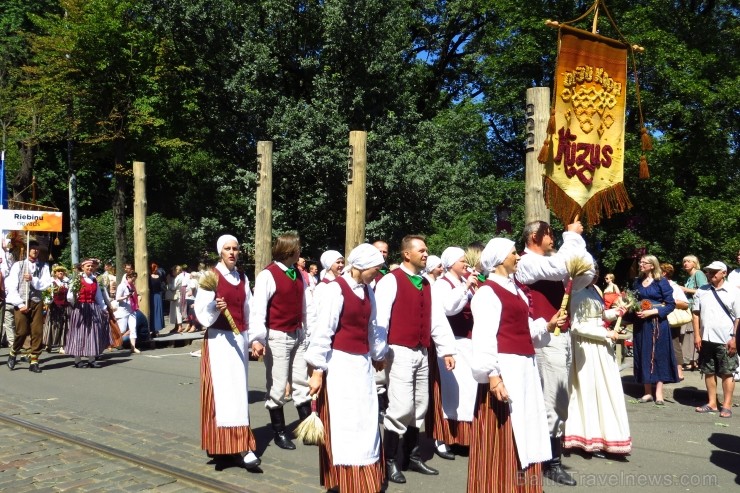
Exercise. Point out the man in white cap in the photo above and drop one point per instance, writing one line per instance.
(27, 279)
(716, 320)
(404, 309)
(545, 273)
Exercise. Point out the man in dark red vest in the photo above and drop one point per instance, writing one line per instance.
(545, 273)
(279, 308)
(404, 308)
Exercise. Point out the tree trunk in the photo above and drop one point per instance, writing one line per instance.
(121, 176)
(25, 174)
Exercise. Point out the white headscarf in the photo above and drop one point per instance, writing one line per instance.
(363, 257)
(329, 257)
(222, 241)
(450, 256)
(432, 263)
(495, 253)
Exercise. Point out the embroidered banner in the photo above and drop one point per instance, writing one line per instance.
(586, 173)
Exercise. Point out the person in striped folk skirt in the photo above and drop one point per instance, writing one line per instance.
(345, 350)
(453, 393)
(88, 334)
(224, 367)
(510, 433)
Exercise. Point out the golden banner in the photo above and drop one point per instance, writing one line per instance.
(586, 173)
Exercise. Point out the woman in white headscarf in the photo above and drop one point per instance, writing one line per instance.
(224, 389)
(434, 268)
(450, 414)
(345, 349)
(332, 263)
(510, 434)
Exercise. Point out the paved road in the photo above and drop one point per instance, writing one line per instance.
(147, 405)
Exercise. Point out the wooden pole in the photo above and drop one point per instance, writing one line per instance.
(356, 185)
(141, 255)
(263, 216)
(538, 114)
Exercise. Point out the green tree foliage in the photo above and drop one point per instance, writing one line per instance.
(190, 86)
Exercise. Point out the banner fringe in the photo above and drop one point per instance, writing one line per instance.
(606, 202)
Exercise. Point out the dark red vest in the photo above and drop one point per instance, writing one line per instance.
(411, 316)
(351, 335)
(285, 307)
(513, 335)
(87, 292)
(545, 298)
(60, 295)
(234, 297)
(462, 322)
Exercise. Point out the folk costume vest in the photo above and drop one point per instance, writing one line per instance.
(513, 333)
(462, 322)
(285, 308)
(351, 336)
(87, 292)
(234, 297)
(411, 316)
(545, 298)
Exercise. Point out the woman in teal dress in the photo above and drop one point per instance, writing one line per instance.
(654, 358)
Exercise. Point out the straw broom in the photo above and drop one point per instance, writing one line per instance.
(311, 429)
(576, 266)
(209, 282)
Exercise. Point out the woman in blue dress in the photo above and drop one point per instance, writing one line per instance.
(654, 358)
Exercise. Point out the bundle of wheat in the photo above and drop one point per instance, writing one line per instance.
(311, 429)
(209, 282)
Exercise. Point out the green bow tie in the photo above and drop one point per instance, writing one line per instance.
(481, 277)
(291, 273)
(383, 270)
(417, 281)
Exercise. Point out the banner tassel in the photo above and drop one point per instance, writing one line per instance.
(544, 155)
(644, 171)
(551, 122)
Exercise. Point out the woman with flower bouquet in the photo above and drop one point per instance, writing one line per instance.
(89, 332)
(654, 358)
(55, 297)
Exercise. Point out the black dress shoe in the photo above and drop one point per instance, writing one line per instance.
(251, 464)
(282, 441)
(393, 472)
(11, 362)
(418, 465)
(444, 454)
(94, 364)
(35, 368)
(598, 454)
(81, 364)
(559, 475)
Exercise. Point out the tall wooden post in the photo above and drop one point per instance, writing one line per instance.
(356, 185)
(538, 113)
(263, 216)
(141, 255)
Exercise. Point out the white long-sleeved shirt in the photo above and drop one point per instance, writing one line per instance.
(40, 280)
(207, 313)
(385, 297)
(486, 308)
(328, 321)
(264, 289)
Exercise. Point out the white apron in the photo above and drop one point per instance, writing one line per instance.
(459, 388)
(228, 359)
(527, 406)
(353, 409)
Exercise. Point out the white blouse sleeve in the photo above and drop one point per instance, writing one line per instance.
(377, 337)
(486, 308)
(205, 307)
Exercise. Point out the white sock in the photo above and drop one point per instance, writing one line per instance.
(250, 457)
(441, 446)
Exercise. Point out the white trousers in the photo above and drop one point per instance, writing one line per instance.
(285, 363)
(553, 362)
(408, 388)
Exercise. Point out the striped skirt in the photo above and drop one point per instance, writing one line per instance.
(349, 479)
(215, 440)
(493, 465)
(449, 431)
(88, 333)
